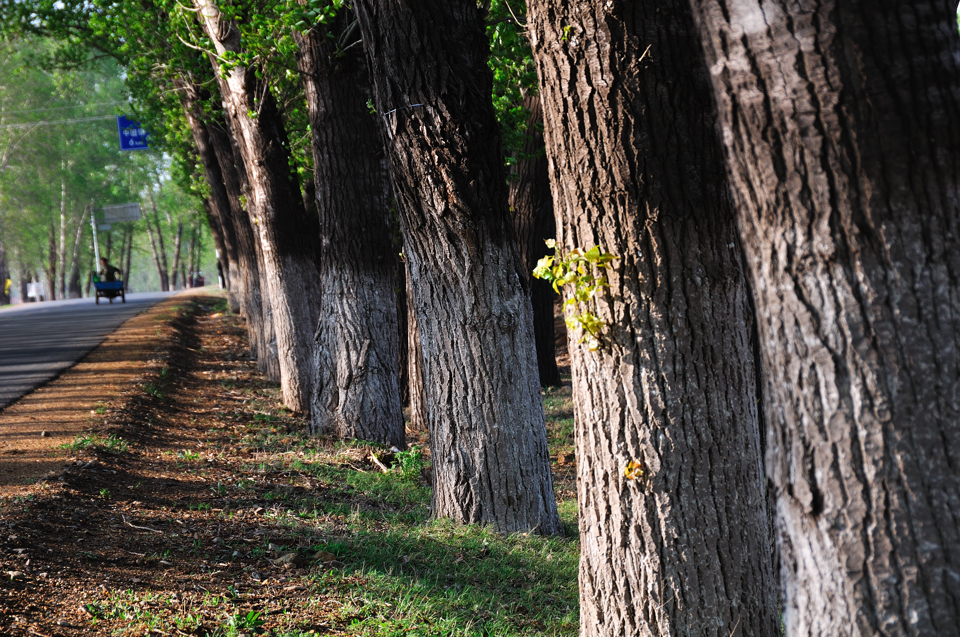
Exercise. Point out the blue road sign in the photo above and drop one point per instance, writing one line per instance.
(132, 135)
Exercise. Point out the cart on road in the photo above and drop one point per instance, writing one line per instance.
(110, 290)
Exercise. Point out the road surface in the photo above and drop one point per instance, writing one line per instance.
(40, 340)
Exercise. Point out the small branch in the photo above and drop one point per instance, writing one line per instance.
(141, 528)
(515, 19)
(373, 458)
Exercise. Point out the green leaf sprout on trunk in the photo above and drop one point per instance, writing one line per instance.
(583, 270)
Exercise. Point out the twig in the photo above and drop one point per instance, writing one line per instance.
(141, 528)
(515, 18)
(375, 460)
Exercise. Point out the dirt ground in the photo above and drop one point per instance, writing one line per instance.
(121, 511)
(36, 427)
(106, 512)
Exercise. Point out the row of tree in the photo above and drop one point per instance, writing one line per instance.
(60, 162)
(777, 340)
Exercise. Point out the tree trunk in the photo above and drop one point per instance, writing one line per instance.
(4, 275)
(62, 243)
(126, 270)
(51, 291)
(159, 250)
(74, 291)
(217, 233)
(251, 268)
(289, 237)
(243, 288)
(357, 387)
(487, 434)
(532, 207)
(176, 256)
(841, 123)
(673, 523)
(157, 256)
(23, 277)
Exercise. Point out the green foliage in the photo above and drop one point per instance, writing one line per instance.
(579, 271)
(514, 72)
(410, 464)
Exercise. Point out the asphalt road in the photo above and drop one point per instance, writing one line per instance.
(40, 340)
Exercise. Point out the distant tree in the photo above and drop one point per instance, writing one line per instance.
(841, 123)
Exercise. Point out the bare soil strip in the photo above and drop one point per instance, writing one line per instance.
(34, 429)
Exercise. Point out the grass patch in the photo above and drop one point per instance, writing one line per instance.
(111, 444)
(393, 570)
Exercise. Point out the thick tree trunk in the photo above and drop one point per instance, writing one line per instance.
(673, 523)
(842, 130)
(532, 207)
(357, 388)
(487, 434)
(289, 237)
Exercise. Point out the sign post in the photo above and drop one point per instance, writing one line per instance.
(96, 245)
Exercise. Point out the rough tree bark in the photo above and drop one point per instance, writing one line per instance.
(357, 387)
(417, 390)
(841, 122)
(679, 544)
(432, 88)
(533, 220)
(289, 237)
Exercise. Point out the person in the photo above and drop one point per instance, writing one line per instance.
(107, 271)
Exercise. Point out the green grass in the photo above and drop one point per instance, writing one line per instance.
(402, 573)
(368, 543)
(112, 444)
